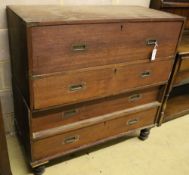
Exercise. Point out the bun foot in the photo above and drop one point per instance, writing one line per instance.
(39, 170)
(144, 133)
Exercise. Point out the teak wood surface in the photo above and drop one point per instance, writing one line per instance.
(182, 72)
(82, 71)
(175, 105)
(56, 15)
(98, 132)
(48, 91)
(179, 7)
(23, 66)
(82, 111)
(101, 44)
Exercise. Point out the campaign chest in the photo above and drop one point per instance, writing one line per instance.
(84, 75)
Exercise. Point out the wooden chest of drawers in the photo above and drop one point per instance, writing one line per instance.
(183, 65)
(176, 102)
(84, 75)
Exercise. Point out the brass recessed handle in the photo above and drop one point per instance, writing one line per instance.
(71, 139)
(77, 87)
(133, 121)
(135, 97)
(70, 113)
(79, 47)
(146, 74)
(151, 42)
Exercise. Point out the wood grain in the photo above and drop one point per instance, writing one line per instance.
(104, 44)
(179, 7)
(184, 45)
(85, 123)
(78, 112)
(19, 52)
(182, 76)
(184, 64)
(176, 107)
(171, 108)
(55, 145)
(84, 64)
(48, 91)
(54, 15)
(22, 119)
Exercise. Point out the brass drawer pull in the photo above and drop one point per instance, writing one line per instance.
(132, 121)
(70, 113)
(71, 139)
(135, 97)
(145, 74)
(76, 87)
(151, 42)
(79, 47)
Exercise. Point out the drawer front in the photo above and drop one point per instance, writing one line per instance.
(184, 65)
(65, 142)
(72, 87)
(182, 76)
(78, 112)
(65, 47)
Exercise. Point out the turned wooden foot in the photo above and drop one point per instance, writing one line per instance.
(144, 133)
(39, 170)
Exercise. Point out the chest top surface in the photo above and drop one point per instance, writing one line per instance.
(36, 15)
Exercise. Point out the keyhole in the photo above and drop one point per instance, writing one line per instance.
(121, 27)
(115, 71)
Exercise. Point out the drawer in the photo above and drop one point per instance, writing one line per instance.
(184, 65)
(182, 76)
(87, 84)
(63, 143)
(74, 113)
(66, 47)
